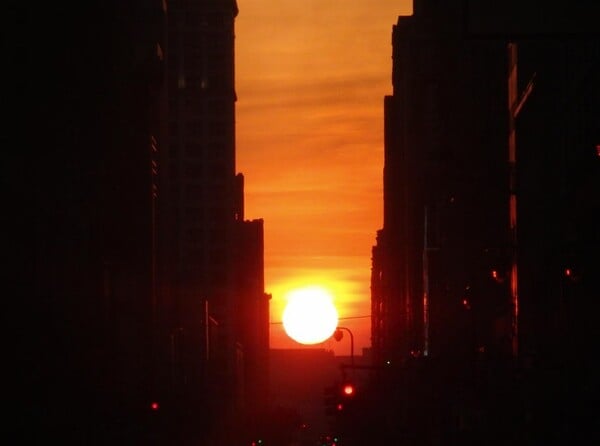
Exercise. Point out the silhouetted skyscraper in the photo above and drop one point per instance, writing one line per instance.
(445, 188)
(557, 134)
(215, 259)
(491, 167)
(130, 259)
(85, 280)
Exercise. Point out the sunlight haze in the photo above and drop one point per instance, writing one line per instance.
(310, 79)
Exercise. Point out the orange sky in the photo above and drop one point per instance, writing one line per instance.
(310, 78)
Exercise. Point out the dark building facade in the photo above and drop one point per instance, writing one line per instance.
(141, 283)
(557, 160)
(84, 271)
(252, 316)
(201, 202)
(557, 135)
(214, 266)
(483, 308)
(445, 188)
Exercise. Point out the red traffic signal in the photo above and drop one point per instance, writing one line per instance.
(348, 390)
(339, 397)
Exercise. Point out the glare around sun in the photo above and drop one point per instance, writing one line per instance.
(310, 316)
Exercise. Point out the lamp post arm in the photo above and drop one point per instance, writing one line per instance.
(351, 343)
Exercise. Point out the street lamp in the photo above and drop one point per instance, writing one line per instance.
(338, 335)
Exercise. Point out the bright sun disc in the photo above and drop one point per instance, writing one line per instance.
(310, 316)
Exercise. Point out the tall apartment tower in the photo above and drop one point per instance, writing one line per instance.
(557, 151)
(251, 318)
(445, 190)
(129, 255)
(201, 171)
(85, 221)
(494, 115)
(214, 261)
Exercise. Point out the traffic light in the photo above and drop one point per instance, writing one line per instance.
(331, 399)
(338, 398)
(348, 395)
(348, 390)
(571, 274)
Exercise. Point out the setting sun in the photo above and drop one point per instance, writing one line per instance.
(310, 317)
(298, 83)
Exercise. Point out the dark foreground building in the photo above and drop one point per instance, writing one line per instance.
(137, 305)
(81, 185)
(558, 166)
(445, 189)
(482, 284)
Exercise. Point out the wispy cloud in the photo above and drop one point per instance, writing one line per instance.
(310, 78)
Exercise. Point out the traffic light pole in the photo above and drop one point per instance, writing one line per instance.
(351, 342)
